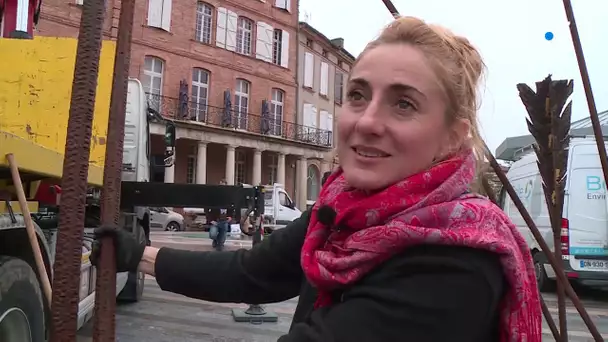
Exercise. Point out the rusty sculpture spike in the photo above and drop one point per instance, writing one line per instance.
(549, 124)
(75, 172)
(104, 325)
(582, 66)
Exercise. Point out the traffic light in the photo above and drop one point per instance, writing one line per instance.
(170, 135)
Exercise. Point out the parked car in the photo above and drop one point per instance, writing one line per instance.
(166, 219)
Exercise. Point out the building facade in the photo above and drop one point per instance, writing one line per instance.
(322, 73)
(225, 71)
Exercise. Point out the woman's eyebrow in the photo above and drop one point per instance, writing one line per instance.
(395, 87)
(398, 87)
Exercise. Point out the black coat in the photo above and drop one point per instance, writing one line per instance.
(425, 294)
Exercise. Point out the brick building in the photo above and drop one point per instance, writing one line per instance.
(226, 72)
(323, 69)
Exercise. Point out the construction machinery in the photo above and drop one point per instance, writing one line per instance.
(34, 104)
(35, 92)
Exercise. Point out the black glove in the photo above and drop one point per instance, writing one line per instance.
(127, 249)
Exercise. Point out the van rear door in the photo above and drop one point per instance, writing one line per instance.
(586, 211)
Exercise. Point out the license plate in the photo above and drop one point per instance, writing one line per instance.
(594, 265)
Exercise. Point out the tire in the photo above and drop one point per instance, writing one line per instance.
(21, 302)
(545, 284)
(134, 288)
(173, 227)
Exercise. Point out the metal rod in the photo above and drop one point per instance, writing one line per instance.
(104, 326)
(391, 8)
(29, 227)
(75, 173)
(558, 267)
(549, 319)
(582, 66)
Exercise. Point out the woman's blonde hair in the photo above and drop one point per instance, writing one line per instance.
(457, 64)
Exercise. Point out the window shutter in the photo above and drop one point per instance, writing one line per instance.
(285, 49)
(314, 117)
(306, 117)
(280, 4)
(323, 120)
(308, 69)
(166, 17)
(231, 28)
(155, 13)
(324, 78)
(265, 35)
(260, 42)
(222, 19)
(269, 42)
(338, 87)
(330, 128)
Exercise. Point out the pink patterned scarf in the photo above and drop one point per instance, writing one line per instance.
(431, 207)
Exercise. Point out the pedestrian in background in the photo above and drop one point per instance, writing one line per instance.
(220, 219)
(398, 246)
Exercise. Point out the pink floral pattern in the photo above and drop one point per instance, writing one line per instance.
(432, 207)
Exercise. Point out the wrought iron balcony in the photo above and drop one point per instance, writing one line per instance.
(235, 118)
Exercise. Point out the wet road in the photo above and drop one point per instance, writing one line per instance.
(165, 317)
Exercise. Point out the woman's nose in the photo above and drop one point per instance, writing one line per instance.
(370, 122)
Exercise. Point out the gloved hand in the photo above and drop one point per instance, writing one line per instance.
(127, 249)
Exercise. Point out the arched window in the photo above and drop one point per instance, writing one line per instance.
(200, 93)
(276, 111)
(152, 81)
(313, 183)
(244, 32)
(204, 21)
(241, 102)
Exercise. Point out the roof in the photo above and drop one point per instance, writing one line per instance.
(347, 55)
(510, 146)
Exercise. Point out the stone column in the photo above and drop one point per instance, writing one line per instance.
(170, 171)
(230, 160)
(201, 163)
(257, 167)
(281, 168)
(302, 176)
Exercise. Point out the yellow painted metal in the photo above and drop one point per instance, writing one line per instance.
(37, 159)
(32, 205)
(35, 88)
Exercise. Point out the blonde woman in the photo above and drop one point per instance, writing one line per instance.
(396, 248)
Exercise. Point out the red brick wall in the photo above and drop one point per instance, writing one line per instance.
(181, 52)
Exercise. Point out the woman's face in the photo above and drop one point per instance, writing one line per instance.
(393, 124)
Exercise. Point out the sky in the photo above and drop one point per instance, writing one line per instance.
(510, 35)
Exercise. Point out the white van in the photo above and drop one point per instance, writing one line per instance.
(584, 236)
(279, 209)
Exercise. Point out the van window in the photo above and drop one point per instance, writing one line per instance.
(284, 199)
(530, 191)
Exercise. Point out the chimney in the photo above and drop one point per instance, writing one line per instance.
(339, 42)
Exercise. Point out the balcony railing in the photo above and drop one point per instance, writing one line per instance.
(234, 118)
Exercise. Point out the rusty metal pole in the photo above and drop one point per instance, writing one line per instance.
(75, 173)
(582, 66)
(104, 327)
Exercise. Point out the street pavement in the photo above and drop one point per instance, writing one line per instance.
(166, 317)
